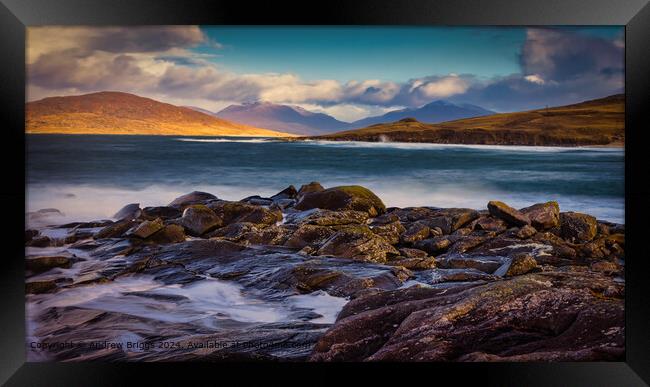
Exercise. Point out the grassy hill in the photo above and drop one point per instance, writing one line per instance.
(596, 122)
(122, 113)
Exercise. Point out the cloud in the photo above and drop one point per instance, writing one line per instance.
(534, 78)
(557, 66)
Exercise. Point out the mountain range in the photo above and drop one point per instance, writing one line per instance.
(110, 112)
(296, 120)
(595, 122)
(292, 119)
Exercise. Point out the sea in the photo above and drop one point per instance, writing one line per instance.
(90, 177)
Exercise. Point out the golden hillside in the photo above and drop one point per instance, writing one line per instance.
(122, 113)
(596, 122)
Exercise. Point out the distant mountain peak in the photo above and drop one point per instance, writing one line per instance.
(286, 118)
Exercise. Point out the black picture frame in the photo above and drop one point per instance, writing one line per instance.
(16, 15)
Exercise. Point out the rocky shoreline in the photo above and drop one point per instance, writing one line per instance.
(417, 284)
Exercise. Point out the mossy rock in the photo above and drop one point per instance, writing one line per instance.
(350, 197)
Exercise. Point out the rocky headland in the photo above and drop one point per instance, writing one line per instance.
(418, 283)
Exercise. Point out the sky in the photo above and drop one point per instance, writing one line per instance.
(347, 72)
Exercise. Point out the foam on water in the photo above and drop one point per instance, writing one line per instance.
(322, 303)
(218, 140)
(428, 146)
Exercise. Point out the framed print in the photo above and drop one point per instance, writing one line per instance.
(439, 186)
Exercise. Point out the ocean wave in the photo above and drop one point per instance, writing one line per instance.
(429, 146)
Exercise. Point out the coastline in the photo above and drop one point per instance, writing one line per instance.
(340, 253)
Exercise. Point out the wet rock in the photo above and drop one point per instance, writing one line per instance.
(233, 231)
(521, 264)
(39, 287)
(489, 223)
(486, 264)
(334, 218)
(526, 232)
(116, 229)
(146, 228)
(449, 220)
(351, 197)
(606, 267)
(415, 263)
(171, 233)
(257, 201)
(196, 197)
(272, 235)
(390, 232)
(416, 232)
(314, 186)
(578, 227)
(39, 241)
(198, 219)
(358, 243)
(309, 235)
(412, 253)
(287, 193)
(508, 214)
(563, 318)
(42, 264)
(162, 212)
(433, 245)
(440, 275)
(239, 212)
(130, 211)
(94, 224)
(467, 243)
(543, 216)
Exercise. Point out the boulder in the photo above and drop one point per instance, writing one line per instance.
(146, 228)
(521, 264)
(162, 212)
(287, 193)
(390, 232)
(239, 212)
(233, 231)
(39, 287)
(412, 253)
(508, 214)
(424, 263)
(486, 264)
(548, 316)
(198, 219)
(416, 232)
(449, 220)
(130, 211)
(543, 216)
(42, 264)
(314, 186)
(351, 197)
(171, 233)
(489, 223)
(309, 235)
(577, 227)
(335, 218)
(526, 232)
(196, 197)
(116, 230)
(433, 245)
(358, 243)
